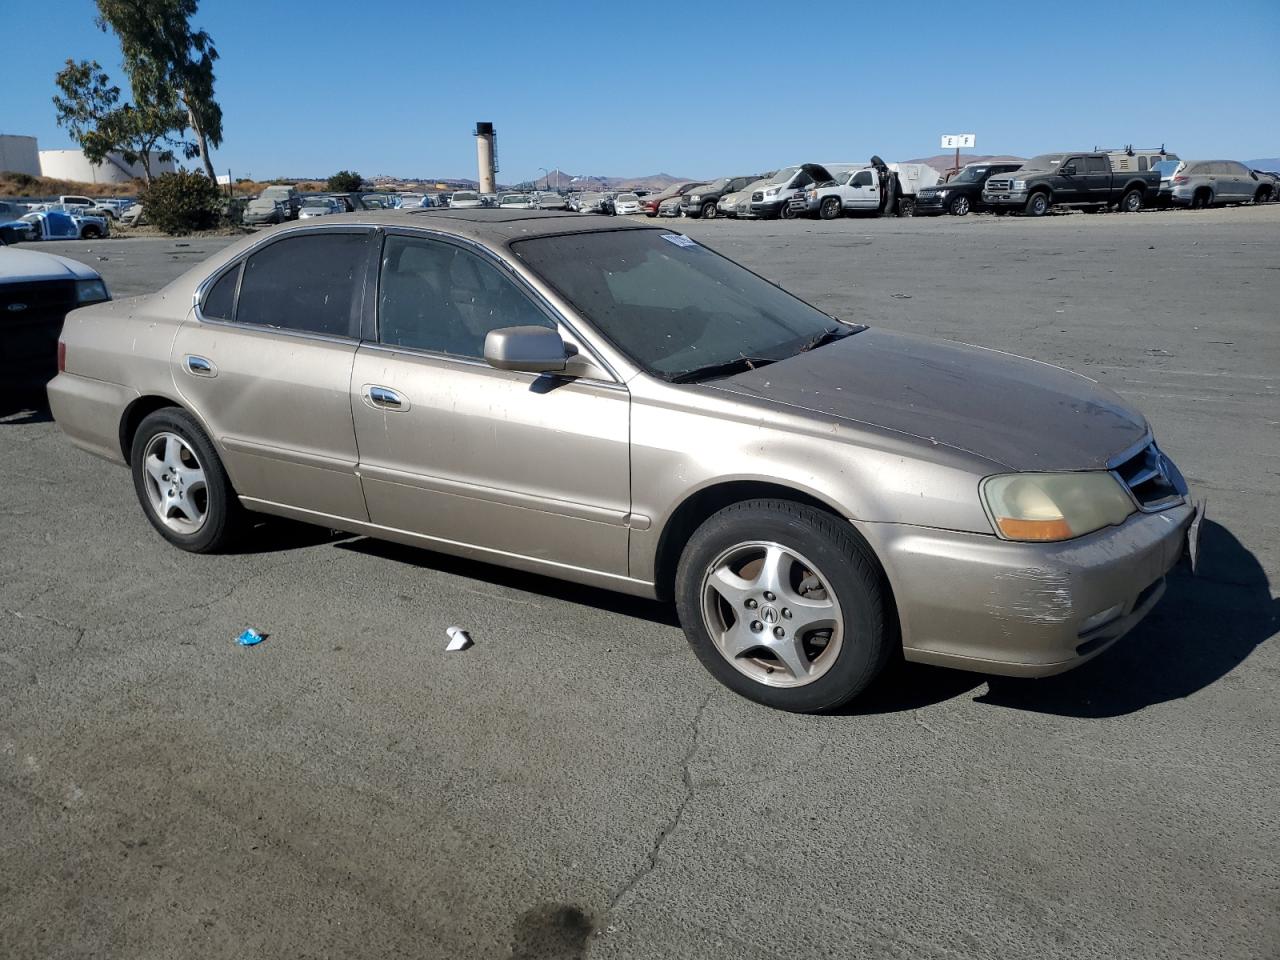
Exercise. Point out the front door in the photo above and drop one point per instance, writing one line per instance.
(265, 361)
(499, 462)
(863, 192)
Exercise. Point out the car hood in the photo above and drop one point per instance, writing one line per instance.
(26, 266)
(1023, 414)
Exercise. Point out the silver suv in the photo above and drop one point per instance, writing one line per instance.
(1206, 183)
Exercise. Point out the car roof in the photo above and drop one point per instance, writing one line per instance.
(485, 224)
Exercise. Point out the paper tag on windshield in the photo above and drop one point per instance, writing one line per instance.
(679, 239)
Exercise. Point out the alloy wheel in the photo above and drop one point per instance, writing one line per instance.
(175, 483)
(772, 614)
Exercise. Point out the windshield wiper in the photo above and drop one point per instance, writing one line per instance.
(825, 337)
(724, 369)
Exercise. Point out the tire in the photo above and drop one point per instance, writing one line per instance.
(828, 576)
(205, 516)
(1262, 196)
(90, 233)
(708, 210)
(785, 212)
(959, 207)
(1037, 205)
(906, 207)
(1202, 199)
(830, 208)
(1131, 202)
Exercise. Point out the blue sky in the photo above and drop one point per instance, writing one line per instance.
(695, 89)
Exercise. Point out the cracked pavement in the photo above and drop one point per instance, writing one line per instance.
(575, 784)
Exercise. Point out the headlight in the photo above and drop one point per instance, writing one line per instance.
(91, 291)
(940, 194)
(695, 198)
(771, 192)
(1019, 184)
(1054, 506)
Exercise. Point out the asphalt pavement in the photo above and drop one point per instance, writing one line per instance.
(575, 785)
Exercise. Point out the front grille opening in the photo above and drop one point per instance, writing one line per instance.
(1150, 477)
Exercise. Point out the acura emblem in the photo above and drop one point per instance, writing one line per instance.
(16, 307)
(769, 615)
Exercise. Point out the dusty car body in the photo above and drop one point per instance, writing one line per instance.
(1209, 183)
(264, 210)
(610, 404)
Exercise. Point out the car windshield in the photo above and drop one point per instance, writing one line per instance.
(1046, 161)
(466, 196)
(316, 202)
(970, 175)
(628, 198)
(515, 198)
(672, 305)
(783, 175)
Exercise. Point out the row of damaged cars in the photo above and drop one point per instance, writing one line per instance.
(20, 223)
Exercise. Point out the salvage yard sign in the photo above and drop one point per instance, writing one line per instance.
(956, 141)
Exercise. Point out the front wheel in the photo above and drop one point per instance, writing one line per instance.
(785, 211)
(1131, 202)
(181, 484)
(830, 208)
(960, 206)
(1038, 205)
(709, 210)
(785, 604)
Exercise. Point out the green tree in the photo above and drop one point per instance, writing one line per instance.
(88, 105)
(166, 59)
(345, 181)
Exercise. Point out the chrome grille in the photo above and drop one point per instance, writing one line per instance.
(994, 184)
(1152, 478)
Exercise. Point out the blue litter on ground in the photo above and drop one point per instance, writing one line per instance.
(250, 638)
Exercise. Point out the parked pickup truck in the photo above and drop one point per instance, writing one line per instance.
(1071, 179)
(859, 190)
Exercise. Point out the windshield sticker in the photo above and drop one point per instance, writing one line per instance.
(679, 239)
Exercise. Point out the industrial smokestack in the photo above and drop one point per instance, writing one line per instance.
(486, 155)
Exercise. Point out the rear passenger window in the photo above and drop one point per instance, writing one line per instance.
(1142, 164)
(312, 283)
(220, 299)
(1095, 165)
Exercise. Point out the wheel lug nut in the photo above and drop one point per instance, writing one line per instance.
(751, 603)
(779, 632)
(769, 597)
(756, 626)
(786, 613)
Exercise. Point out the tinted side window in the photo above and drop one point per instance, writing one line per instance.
(438, 297)
(1095, 165)
(220, 299)
(313, 282)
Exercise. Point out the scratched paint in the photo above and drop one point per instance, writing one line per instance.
(1033, 594)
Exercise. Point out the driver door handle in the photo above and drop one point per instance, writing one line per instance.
(383, 398)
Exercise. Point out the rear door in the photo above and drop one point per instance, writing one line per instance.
(1238, 177)
(484, 461)
(265, 361)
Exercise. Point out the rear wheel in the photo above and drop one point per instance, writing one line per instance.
(181, 484)
(785, 604)
(1037, 205)
(90, 232)
(1262, 196)
(960, 206)
(830, 208)
(1131, 202)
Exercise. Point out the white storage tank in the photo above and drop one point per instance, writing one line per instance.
(19, 155)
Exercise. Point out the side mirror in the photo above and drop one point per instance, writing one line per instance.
(1069, 170)
(533, 349)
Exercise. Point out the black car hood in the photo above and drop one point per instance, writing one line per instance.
(1010, 410)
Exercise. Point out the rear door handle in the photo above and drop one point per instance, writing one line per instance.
(383, 398)
(199, 366)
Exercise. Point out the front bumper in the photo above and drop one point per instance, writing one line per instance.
(933, 204)
(1005, 198)
(1023, 609)
(768, 208)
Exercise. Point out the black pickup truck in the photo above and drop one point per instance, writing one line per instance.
(1071, 179)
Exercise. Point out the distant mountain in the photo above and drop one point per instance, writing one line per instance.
(1270, 164)
(943, 162)
(581, 181)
